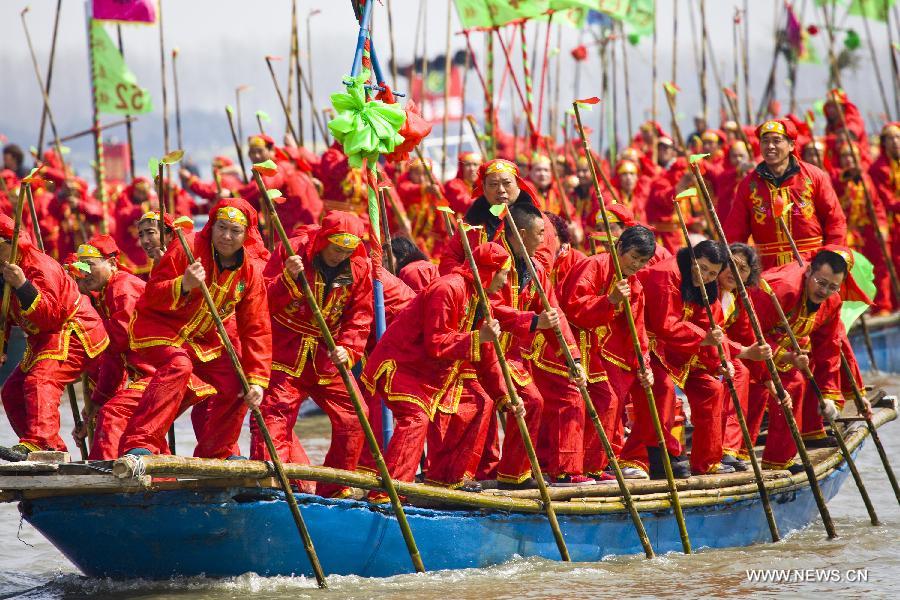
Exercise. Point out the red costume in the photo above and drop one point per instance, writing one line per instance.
(607, 354)
(818, 329)
(676, 329)
(300, 362)
(417, 369)
(64, 335)
(173, 331)
(419, 274)
(814, 216)
(885, 174)
(457, 190)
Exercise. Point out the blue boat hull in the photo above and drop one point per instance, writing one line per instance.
(233, 531)
(885, 336)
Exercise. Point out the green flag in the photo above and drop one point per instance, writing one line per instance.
(493, 13)
(115, 86)
(863, 274)
(617, 9)
(871, 9)
(640, 18)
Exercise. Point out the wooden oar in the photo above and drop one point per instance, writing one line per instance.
(808, 374)
(585, 396)
(348, 384)
(447, 225)
(514, 398)
(780, 393)
(276, 462)
(14, 243)
(632, 330)
(729, 381)
(865, 411)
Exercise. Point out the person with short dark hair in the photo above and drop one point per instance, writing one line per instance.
(14, 160)
(811, 296)
(594, 303)
(683, 353)
(411, 265)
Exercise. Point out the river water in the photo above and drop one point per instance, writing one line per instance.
(863, 562)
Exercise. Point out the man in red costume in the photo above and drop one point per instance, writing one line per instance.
(682, 343)
(811, 296)
(335, 263)
(851, 186)
(856, 125)
(173, 331)
(64, 337)
(122, 374)
(459, 189)
(417, 364)
(521, 313)
(594, 302)
(784, 185)
(885, 174)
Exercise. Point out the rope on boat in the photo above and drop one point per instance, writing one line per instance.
(136, 466)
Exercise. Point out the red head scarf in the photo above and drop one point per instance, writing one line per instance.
(221, 161)
(261, 140)
(490, 258)
(850, 290)
(341, 228)
(618, 213)
(501, 165)
(254, 248)
(466, 157)
(890, 128)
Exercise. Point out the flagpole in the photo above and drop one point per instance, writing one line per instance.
(895, 69)
(445, 122)
(165, 106)
(99, 173)
(292, 56)
(654, 69)
(704, 101)
(129, 136)
(627, 83)
(310, 84)
(298, 73)
(177, 99)
(746, 64)
(879, 79)
(40, 144)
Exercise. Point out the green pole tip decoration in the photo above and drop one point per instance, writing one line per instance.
(172, 157)
(498, 210)
(273, 194)
(695, 158)
(263, 116)
(365, 129)
(153, 165)
(267, 167)
(688, 193)
(446, 209)
(229, 109)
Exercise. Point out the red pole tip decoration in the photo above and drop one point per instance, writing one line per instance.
(271, 57)
(730, 93)
(579, 53)
(591, 100)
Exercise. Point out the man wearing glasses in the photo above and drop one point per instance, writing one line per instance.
(811, 297)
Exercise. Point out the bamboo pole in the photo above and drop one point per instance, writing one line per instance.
(445, 121)
(729, 382)
(514, 399)
(474, 126)
(807, 373)
(284, 106)
(229, 113)
(867, 339)
(895, 69)
(348, 384)
(654, 70)
(13, 256)
(642, 367)
(770, 364)
(865, 411)
(512, 228)
(50, 61)
(440, 195)
(257, 415)
(72, 136)
(178, 137)
(76, 418)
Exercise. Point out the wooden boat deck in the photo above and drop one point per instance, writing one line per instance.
(51, 475)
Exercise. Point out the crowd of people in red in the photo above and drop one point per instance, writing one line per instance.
(125, 307)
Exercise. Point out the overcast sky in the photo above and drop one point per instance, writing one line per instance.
(222, 44)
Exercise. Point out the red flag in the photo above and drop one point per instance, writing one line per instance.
(126, 11)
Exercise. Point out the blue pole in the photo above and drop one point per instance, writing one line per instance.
(361, 38)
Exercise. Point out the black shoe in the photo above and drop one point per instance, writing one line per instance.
(681, 469)
(733, 461)
(470, 485)
(829, 441)
(796, 468)
(17, 453)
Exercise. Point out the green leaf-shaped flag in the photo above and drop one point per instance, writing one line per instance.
(172, 157)
(153, 165)
(228, 109)
(273, 194)
(32, 150)
(498, 210)
(695, 158)
(671, 88)
(267, 168)
(65, 150)
(688, 193)
(263, 116)
(446, 209)
(366, 129)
